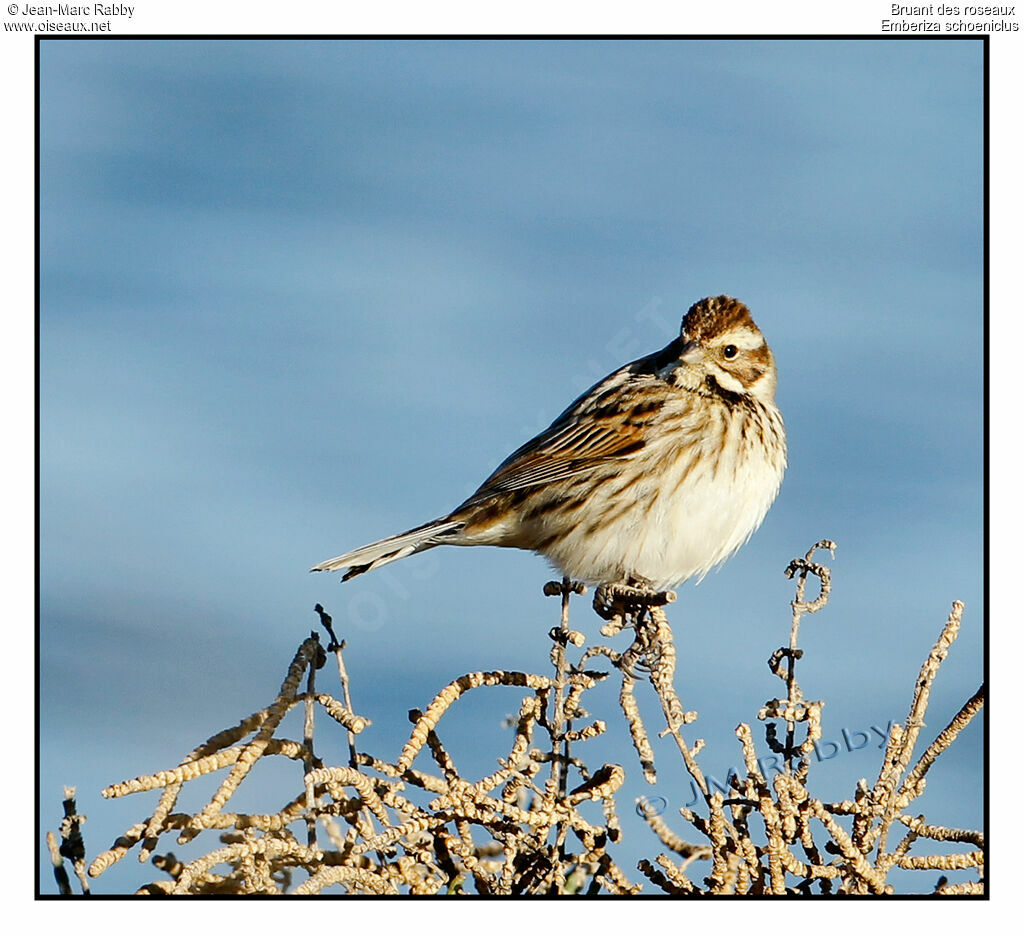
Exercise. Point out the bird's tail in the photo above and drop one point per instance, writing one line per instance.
(390, 550)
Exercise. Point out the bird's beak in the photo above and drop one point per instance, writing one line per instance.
(691, 352)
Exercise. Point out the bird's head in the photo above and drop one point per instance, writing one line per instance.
(721, 349)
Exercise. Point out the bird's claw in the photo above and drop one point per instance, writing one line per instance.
(619, 601)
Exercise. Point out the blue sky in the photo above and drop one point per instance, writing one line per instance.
(299, 295)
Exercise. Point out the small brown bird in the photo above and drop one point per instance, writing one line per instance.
(658, 473)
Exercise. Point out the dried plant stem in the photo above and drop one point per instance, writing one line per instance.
(392, 829)
(60, 874)
(336, 647)
(901, 744)
(799, 606)
(561, 717)
(662, 674)
(913, 785)
(308, 764)
(70, 846)
(559, 721)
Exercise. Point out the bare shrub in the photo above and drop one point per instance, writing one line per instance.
(380, 826)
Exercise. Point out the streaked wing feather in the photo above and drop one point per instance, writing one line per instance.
(573, 445)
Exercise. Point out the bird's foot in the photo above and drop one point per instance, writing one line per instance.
(621, 602)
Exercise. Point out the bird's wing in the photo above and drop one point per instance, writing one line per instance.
(606, 423)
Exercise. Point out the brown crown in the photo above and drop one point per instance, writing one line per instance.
(715, 315)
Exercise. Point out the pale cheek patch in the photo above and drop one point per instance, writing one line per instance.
(728, 382)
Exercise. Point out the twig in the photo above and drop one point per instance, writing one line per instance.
(560, 722)
(71, 847)
(336, 647)
(800, 607)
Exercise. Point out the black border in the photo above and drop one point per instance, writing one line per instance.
(984, 38)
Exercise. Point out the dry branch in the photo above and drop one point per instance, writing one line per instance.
(391, 828)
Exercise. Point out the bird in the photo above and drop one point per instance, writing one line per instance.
(656, 474)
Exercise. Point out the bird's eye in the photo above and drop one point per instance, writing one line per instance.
(730, 351)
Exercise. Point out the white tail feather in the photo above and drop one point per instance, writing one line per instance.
(390, 550)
